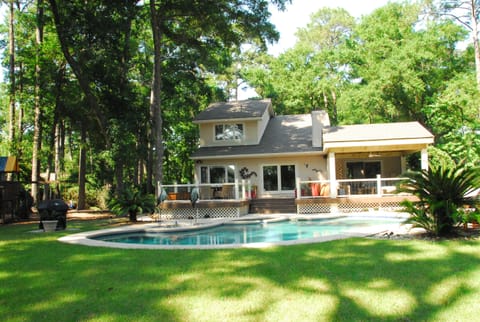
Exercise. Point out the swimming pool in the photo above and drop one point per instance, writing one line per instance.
(254, 232)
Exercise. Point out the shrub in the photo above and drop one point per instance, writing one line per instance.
(441, 191)
(132, 201)
(94, 197)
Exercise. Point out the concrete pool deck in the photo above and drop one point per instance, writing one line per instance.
(86, 238)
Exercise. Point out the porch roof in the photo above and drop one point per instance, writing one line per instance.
(406, 136)
(284, 135)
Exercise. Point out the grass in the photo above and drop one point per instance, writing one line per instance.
(42, 279)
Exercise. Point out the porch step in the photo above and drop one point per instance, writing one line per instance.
(273, 206)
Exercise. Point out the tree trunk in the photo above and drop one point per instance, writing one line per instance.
(82, 169)
(20, 111)
(37, 131)
(155, 96)
(334, 108)
(132, 216)
(476, 45)
(11, 52)
(58, 154)
(12, 91)
(120, 186)
(59, 134)
(149, 167)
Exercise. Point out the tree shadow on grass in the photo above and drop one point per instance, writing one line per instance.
(355, 279)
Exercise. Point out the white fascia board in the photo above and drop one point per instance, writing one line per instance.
(398, 142)
(259, 156)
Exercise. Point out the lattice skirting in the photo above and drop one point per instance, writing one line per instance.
(315, 208)
(190, 213)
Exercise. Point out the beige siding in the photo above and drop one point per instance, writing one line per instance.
(307, 168)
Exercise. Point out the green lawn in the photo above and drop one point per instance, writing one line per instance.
(42, 279)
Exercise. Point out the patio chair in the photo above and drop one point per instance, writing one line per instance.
(227, 192)
(315, 187)
(205, 193)
(325, 190)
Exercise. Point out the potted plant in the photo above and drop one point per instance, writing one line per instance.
(253, 192)
(132, 201)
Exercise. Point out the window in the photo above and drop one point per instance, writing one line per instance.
(228, 132)
(278, 177)
(363, 170)
(217, 174)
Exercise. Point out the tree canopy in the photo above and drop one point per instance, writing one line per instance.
(403, 62)
(102, 94)
(117, 83)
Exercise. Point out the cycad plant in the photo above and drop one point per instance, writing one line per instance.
(441, 191)
(132, 201)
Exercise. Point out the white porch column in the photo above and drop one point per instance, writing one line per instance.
(332, 176)
(424, 159)
(298, 190)
(236, 189)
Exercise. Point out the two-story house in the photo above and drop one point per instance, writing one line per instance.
(246, 140)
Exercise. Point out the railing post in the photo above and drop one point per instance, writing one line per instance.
(298, 189)
(236, 189)
(243, 189)
(332, 176)
(379, 185)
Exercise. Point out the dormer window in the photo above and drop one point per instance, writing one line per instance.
(229, 132)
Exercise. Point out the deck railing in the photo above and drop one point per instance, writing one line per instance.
(238, 190)
(348, 187)
(244, 190)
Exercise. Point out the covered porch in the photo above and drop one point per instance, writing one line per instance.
(364, 165)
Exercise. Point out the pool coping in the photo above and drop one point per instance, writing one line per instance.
(85, 238)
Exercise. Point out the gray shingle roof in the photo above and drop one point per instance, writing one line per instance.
(283, 135)
(376, 132)
(234, 110)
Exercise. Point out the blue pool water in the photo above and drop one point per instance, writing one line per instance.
(254, 232)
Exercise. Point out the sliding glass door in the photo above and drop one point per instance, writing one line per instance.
(277, 178)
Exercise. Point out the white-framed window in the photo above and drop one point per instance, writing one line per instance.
(229, 132)
(278, 178)
(217, 174)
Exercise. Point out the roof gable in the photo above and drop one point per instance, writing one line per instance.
(247, 109)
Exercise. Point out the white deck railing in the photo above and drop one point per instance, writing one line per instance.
(239, 190)
(243, 189)
(347, 187)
